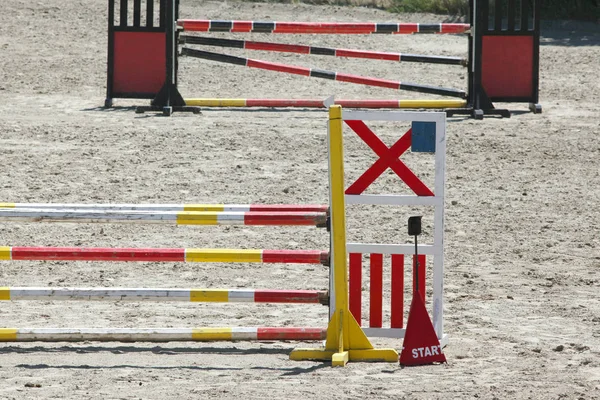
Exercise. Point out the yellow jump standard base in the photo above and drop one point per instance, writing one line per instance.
(345, 339)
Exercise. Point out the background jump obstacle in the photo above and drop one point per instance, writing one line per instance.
(503, 60)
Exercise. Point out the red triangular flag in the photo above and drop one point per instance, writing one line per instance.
(421, 345)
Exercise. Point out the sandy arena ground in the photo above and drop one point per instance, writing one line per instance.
(522, 250)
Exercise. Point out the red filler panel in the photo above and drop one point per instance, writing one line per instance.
(376, 295)
(507, 66)
(140, 62)
(355, 286)
(397, 297)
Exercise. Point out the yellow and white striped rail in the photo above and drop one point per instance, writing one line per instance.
(159, 334)
(152, 294)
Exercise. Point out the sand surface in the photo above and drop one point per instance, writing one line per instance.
(522, 243)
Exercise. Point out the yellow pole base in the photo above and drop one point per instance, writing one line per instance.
(344, 345)
(341, 359)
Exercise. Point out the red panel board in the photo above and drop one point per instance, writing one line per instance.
(376, 295)
(507, 66)
(139, 62)
(355, 286)
(397, 296)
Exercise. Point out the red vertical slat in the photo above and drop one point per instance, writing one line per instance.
(422, 260)
(397, 296)
(376, 292)
(355, 286)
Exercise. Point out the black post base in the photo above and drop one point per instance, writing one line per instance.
(167, 111)
(535, 108)
(168, 100)
(477, 113)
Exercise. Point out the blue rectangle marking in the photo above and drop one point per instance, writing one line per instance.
(423, 137)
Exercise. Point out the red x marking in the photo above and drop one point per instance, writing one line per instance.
(388, 158)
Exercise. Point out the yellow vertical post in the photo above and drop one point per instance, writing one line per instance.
(345, 339)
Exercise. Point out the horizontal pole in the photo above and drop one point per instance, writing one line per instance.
(316, 103)
(200, 25)
(394, 200)
(321, 51)
(323, 74)
(360, 115)
(173, 207)
(159, 334)
(146, 294)
(271, 218)
(163, 255)
(376, 248)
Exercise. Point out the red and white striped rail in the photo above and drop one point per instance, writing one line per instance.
(173, 207)
(148, 294)
(270, 218)
(318, 73)
(321, 51)
(159, 334)
(163, 255)
(337, 28)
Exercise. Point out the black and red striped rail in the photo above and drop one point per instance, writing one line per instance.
(321, 51)
(339, 28)
(319, 73)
